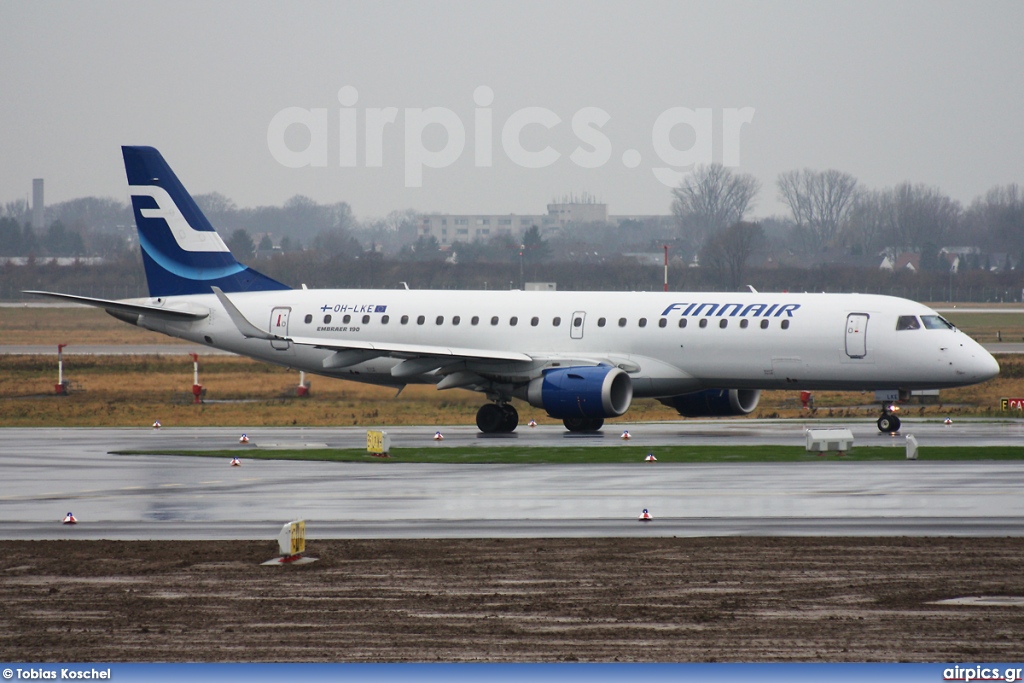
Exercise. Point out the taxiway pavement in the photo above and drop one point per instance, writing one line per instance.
(49, 472)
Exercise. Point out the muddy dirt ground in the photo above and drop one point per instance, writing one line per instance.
(664, 600)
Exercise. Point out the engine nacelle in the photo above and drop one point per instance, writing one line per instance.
(715, 402)
(591, 391)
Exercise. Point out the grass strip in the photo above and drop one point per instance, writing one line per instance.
(598, 454)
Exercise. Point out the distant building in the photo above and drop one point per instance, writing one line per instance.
(450, 228)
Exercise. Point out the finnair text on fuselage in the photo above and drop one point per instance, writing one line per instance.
(732, 310)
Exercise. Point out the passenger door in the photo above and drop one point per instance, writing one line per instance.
(279, 326)
(857, 335)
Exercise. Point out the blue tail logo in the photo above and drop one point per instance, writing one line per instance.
(181, 251)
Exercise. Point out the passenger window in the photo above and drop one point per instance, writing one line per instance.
(346, 320)
(642, 322)
(420, 320)
(327, 320)
(744, 323)
(309, 318)
(662, 323)
(785, 324)
(703, 322)
(494, 320)
(513, 321)
(907, 322)
(601, 322)
(439, 320)
(764, 324)
(622, 322)
(723, 323)
(556, 322)
(404, 320)
(456, 319)
(682, 323)
(384, 319)
(366, 319)
(534, 321)
(474, 320)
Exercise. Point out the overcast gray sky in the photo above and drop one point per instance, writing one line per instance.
(929, 92)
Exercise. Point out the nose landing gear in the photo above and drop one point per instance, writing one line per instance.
(888, 423)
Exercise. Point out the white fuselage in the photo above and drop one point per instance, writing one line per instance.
(788, 341)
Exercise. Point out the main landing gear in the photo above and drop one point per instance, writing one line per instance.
(497, 418)
(888, 423)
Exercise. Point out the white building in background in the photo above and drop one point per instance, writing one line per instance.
(450, 228)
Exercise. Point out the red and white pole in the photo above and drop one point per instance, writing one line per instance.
(197, 388)
(60, 388)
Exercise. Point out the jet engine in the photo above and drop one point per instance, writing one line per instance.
(596, 391)
(715, 402)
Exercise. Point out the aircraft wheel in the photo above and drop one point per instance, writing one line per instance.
(511, 418)
(888, 424)
(490, 418)
(583, 424)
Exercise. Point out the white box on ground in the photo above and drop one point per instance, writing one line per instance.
(911, 447)
(821, 440)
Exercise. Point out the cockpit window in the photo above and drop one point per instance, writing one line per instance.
(936, 322)
(907, 322)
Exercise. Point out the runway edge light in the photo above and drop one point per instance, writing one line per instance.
(235, 462)
(625, 435)
(291, 543)
(70, 519)
(243, 439)
(156, 424)
(645, 516)
(438, 436)
(650, 458)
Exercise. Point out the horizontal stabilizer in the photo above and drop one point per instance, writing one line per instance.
(125, 307)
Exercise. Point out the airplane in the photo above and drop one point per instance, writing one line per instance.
(580, 356)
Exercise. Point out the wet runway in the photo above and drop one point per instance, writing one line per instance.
(50, 472)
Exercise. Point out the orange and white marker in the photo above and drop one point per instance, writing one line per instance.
(438, 436)
(235, 462)
(625, 436)
(645, 516)
(947, 422)
(650, 458)
(156, 424)
(531, 423)
(243, 439)
(70, 519)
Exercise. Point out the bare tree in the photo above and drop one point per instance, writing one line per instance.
(728, 251)
(921, 214)
(819, 200)
(998, 219)
(711, 199)
(870, 222)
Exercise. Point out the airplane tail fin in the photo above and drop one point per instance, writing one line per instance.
(181, 251)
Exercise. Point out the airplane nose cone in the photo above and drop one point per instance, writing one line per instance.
(987, 366)
(979, 364)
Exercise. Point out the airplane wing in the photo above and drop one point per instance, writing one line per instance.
(125, 307)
